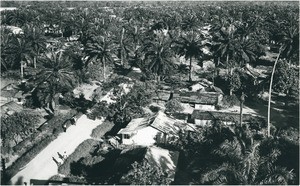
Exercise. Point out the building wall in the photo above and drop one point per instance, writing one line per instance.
(204, 107)
(202, 123)
(144, 137)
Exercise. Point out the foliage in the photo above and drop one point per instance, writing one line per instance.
(100, 110)
(173, 106)
(234, 82)
(285, 78)
(230, 101)
(81, 151)
(233, 156)
(26, 157)
(18, 126)
(100, 130)
(145, 174)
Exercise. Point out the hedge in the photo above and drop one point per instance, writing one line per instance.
(36, 143)
(81, 151)
(100, 130)
(26, 157)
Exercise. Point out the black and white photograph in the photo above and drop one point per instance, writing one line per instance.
(140, 92)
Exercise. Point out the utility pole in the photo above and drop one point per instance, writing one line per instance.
(241, 107)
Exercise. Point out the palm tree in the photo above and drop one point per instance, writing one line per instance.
(288, 47)
(55, 74)
(101, 48)
(224, 43)
(21, 51)
(243, 160)
(190, 46)
(158, 55)
(35, 37)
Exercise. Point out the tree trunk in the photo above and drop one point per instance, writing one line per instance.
(241, 113)
(122, 35)
(34, 61)
(104, 77)
(227, 59)
(190, 74)
(270, 92)
(22, 72)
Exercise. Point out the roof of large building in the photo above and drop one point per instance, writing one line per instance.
(159, 121)
(208, 98)
(223, 116)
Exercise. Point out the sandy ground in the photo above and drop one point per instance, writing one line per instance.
(43, 167)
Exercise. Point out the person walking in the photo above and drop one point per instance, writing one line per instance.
(64, 127)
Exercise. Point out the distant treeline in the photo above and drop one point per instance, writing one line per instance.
(137, 3)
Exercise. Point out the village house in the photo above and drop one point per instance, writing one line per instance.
(201, 100)
(202, 118)
(148, 131)
(11, 93)
(10, 108)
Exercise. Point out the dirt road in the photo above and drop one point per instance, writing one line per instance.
(43, 166)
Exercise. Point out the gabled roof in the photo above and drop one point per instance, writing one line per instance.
(159, 121)
(208, 98)
(11, 106)
(9, 90)
(223, 116)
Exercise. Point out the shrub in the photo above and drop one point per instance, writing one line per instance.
(99, 110)
(37, 142)
(173, 106)
(229, 101)
(81, 151)
(28, 156)
(18, 126)
(100, 130)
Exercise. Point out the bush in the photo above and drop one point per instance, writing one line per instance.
(81, 151)
(173, 106)
(99, 110)
(37, 142)
(229, 101)
(28, 156)
(100, 130)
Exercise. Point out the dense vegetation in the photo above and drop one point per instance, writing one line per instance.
(65, 44)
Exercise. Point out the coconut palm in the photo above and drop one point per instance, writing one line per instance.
(158, 55)
(35, 36)
(100, 48)
(55, 74)
(243, 160)
(189, 45)
(20, 51)
(288, 47)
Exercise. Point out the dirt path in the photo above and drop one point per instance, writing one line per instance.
(43, 166)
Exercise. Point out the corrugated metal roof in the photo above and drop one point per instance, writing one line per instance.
(159, 121)
(209, 98)
(223, 116)
(11, 106)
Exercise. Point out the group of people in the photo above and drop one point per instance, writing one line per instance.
(61, 158)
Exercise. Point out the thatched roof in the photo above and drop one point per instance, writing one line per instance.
(223, 116)
(208, 98)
